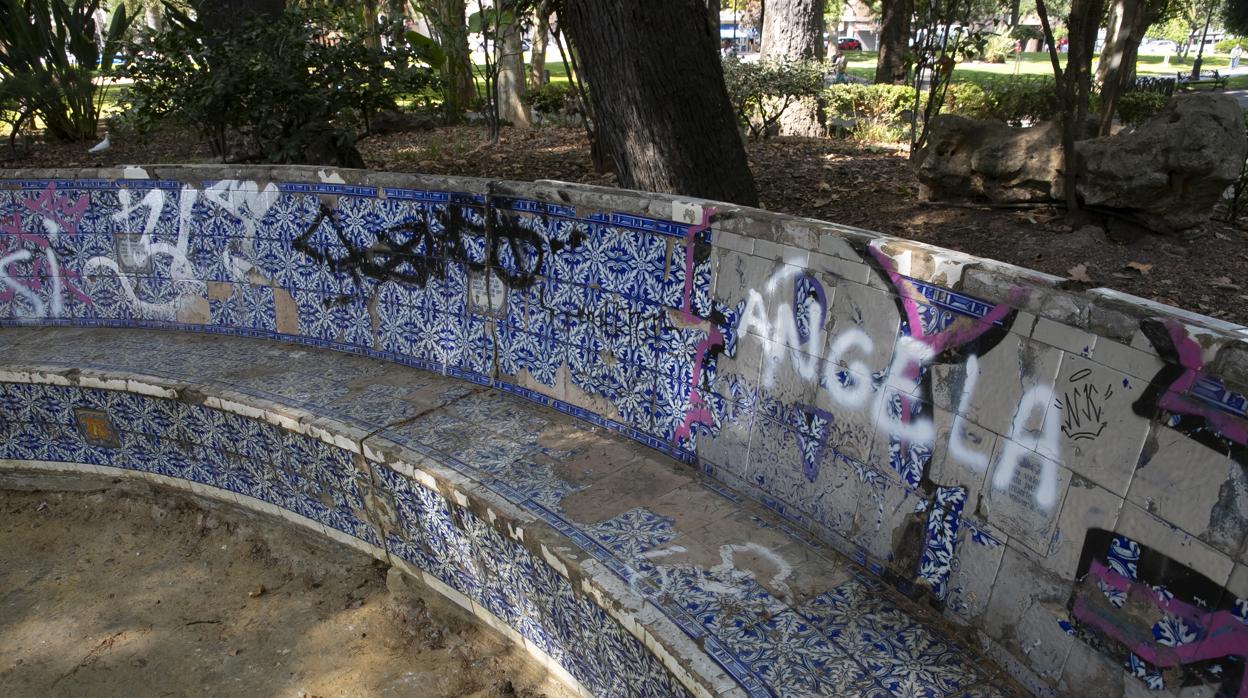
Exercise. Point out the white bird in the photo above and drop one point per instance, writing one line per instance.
(101, 146)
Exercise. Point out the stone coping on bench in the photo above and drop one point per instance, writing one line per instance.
(1033, 460)
(591, 551)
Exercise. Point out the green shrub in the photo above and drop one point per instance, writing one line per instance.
(268, 91)
(761, 91)
(1025, 33)
(879, 111)
(1014, 100)
(966, 99)
(550, 98)
(1138, 106)
(1225, 45)
(998, 49)
(885, 103)
(49, 61)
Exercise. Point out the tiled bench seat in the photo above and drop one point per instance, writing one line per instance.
(625, 570)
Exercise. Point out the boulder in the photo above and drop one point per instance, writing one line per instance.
(988, 160)
(1168, 173)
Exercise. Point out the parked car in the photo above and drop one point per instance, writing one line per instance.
(1158, 47)
(848, 43)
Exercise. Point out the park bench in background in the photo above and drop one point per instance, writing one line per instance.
(1206, 77)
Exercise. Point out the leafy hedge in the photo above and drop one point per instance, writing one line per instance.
(878, 111)
(1136, 107)
(267, 91)
(551, 98)
(1012, 100)
(761, 91)
(1225, 45)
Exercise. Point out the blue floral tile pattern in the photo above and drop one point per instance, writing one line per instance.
(935, 565)
(329, 486)
(632, 533)
(591, 313)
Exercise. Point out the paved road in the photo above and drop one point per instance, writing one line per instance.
(1241, 96)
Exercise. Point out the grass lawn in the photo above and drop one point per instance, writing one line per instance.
(862, 65)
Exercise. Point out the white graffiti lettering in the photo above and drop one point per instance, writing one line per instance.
(246, 201)
(958, 447)
(1023, 443)
(851, 393)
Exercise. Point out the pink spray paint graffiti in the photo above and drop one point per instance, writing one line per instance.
(914, 431)
(1171, 389)
(954, 336)
(64, 214)
(697, 410)
(1221, 633)
(29, 265)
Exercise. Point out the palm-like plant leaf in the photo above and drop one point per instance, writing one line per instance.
(50, 56)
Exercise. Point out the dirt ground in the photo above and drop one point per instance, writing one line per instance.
(834, 180)
(107, 593)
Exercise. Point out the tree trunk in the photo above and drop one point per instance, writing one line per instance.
(537, 64)
(658, 91)
(396, 15)
(1128, 20)
(793, 30)
(217, 16)
(713, 8)
(1015, 12)
(894, 37)
(372, 36)
(448, 19)
(511, 106)
(1076, 87)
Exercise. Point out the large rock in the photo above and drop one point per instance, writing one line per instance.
(1168, 173)
(988, 160)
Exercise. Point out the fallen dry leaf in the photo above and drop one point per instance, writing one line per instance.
(1079, 273)
(1140, 267)
(1224, 282)
(256, 592)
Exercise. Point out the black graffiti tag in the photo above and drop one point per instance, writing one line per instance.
(415, 251)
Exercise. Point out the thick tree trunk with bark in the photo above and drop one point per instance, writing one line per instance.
(1128, 20)
(793, 30)
(713, 7)
(372, 35)
(1074, 86)
(218, 16)
(537, 63)
(894, 38)
(511, 106)
(657, 88)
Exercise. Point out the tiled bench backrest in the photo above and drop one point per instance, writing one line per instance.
(1061, 471)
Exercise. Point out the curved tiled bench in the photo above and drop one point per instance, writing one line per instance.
(618, 568)
(1060, 472)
